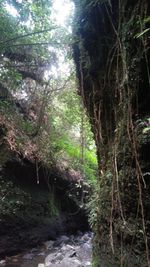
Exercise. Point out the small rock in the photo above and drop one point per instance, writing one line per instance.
(33, 250)
(74, 254)
(87, 264)
(50, 259)
(28, 257)
(63, 239)
(85, 252)
(79, 233)
(72, 238)
(2, 263)
(85, 237)
(81, 242)
(41, 265)
(70, 254)
(87, 247)
(49, 244)
(70, 263)
(67, 250)
(59, 257)
(41, 254)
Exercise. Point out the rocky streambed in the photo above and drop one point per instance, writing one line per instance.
(65, 251)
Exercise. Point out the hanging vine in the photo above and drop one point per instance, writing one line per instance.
(112, 60)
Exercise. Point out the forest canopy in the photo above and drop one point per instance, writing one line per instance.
(38, 88)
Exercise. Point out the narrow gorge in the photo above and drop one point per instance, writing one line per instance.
(74, 133)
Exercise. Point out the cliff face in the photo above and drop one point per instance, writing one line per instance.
(112, 61)
(37, 201)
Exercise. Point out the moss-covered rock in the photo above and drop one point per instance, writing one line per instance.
(112, 64)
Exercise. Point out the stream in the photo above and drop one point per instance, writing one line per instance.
(65, 251)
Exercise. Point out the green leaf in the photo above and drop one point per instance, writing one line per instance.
(142, 33)
(145, 130)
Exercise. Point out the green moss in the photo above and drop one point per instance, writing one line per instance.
(95, 261)
(110, 78)
(53, 205)
(26, 203)
(5, 155)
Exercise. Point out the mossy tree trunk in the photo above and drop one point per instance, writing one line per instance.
(112, 61)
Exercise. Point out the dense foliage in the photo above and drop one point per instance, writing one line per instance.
(42, 118)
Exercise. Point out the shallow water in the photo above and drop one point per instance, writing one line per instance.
(71, 248)
(29, 258)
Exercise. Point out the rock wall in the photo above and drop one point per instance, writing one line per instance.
(112, 62)
(35, 207)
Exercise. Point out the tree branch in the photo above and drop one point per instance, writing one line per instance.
(26, 35)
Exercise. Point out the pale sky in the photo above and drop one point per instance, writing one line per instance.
(62, 9)
(12, 11)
